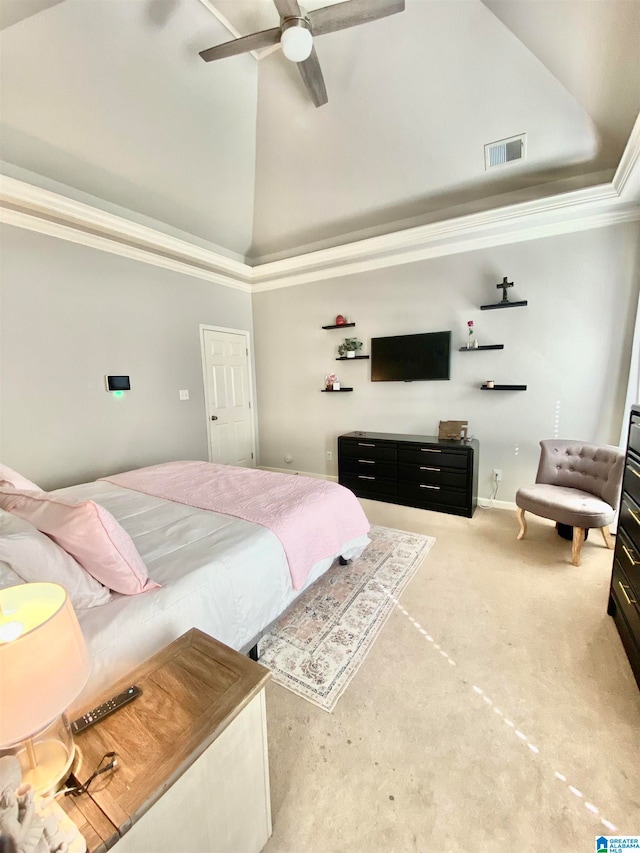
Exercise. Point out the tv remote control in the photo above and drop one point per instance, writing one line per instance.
(102, 711)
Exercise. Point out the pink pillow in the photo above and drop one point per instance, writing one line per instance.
(89, 533)
(35, 557)
(9, 477)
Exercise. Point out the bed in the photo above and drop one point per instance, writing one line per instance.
(226, 575)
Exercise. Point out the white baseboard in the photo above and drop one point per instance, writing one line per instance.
(488, 503)
(300, 473)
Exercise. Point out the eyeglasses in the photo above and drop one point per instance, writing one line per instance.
(109, 761)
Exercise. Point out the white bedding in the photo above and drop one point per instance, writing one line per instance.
(226, 576)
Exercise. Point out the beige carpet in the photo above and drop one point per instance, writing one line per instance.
(496, 710)
(320, 643)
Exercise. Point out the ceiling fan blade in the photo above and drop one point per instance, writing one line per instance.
(288, 8)
(265, 38)
(313, 79)
(329, 19)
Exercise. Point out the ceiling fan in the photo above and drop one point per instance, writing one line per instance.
(297, 31)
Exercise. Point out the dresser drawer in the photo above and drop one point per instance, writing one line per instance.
(629, 558)
(630, 520)
(362, 465)
(626, 599)
(428, 493)
(634, 436)
(417, 454)
(433, 475)
(369, 483)
(631, 482)
(368, 449)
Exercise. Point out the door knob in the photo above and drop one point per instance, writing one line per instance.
(214, 417)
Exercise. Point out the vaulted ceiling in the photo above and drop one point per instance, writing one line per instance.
(109, 102)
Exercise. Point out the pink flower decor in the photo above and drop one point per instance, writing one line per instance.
(471, 341)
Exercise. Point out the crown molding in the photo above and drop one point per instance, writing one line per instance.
(626, 180)
(28, 206)
(579, 210)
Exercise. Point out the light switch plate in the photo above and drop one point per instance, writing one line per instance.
(184, 395)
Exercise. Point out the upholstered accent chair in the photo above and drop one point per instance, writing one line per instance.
(578, 485)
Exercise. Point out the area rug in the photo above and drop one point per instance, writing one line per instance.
(318, 645)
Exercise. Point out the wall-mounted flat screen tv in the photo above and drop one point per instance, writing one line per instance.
(411, 358)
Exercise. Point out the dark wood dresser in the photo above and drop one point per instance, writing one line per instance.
(624, 595)
(412, 470)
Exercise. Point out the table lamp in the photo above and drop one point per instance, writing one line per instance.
(44, 664)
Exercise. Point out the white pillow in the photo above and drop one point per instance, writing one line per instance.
(34, 557)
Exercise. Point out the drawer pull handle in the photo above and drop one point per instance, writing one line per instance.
(633, 471)
(630, 556)
(367, 461)
(364, 477)
(624, 592)
(425, 468)
(364, 444)
(422, 486)
(634, 515)
(431, 450)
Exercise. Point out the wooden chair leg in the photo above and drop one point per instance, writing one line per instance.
(578, 539)
(523, 524)
(606, 535)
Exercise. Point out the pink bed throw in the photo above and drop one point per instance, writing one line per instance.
(312, 518)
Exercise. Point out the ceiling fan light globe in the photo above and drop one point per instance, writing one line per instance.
(297, 43)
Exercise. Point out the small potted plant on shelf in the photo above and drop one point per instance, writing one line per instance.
(349, 347)
(331, 382)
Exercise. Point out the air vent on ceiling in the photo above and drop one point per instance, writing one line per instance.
(504, 151)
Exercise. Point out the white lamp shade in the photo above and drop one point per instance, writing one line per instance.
(296, 43)
(44, 660)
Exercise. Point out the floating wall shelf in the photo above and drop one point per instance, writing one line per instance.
(346, 358)
(475, 349)
(334, 390)
(504, 388)
(339, 326)
(504, 305)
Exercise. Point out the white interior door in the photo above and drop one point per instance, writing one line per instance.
(227, 386)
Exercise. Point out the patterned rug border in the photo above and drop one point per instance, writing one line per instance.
(300, 663)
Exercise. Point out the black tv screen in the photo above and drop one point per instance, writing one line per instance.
(411, 358)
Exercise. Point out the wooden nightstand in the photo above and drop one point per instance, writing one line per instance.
(193, 772)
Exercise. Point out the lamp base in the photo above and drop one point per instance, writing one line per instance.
(46, 757)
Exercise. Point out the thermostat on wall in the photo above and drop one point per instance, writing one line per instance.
(117, 383)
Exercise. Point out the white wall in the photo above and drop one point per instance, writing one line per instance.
(70, 315)
(570, 345)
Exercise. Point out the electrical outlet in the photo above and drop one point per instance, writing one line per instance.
(329, 456)
(497, 474)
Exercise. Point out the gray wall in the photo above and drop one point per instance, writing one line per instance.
(70, 315)
(571, 346)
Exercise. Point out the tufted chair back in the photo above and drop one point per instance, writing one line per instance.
(592, 468)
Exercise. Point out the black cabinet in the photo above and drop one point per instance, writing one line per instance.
(413, 470)
(624, 594)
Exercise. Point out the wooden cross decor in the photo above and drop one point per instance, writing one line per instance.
(504, 285)
(453, 430)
